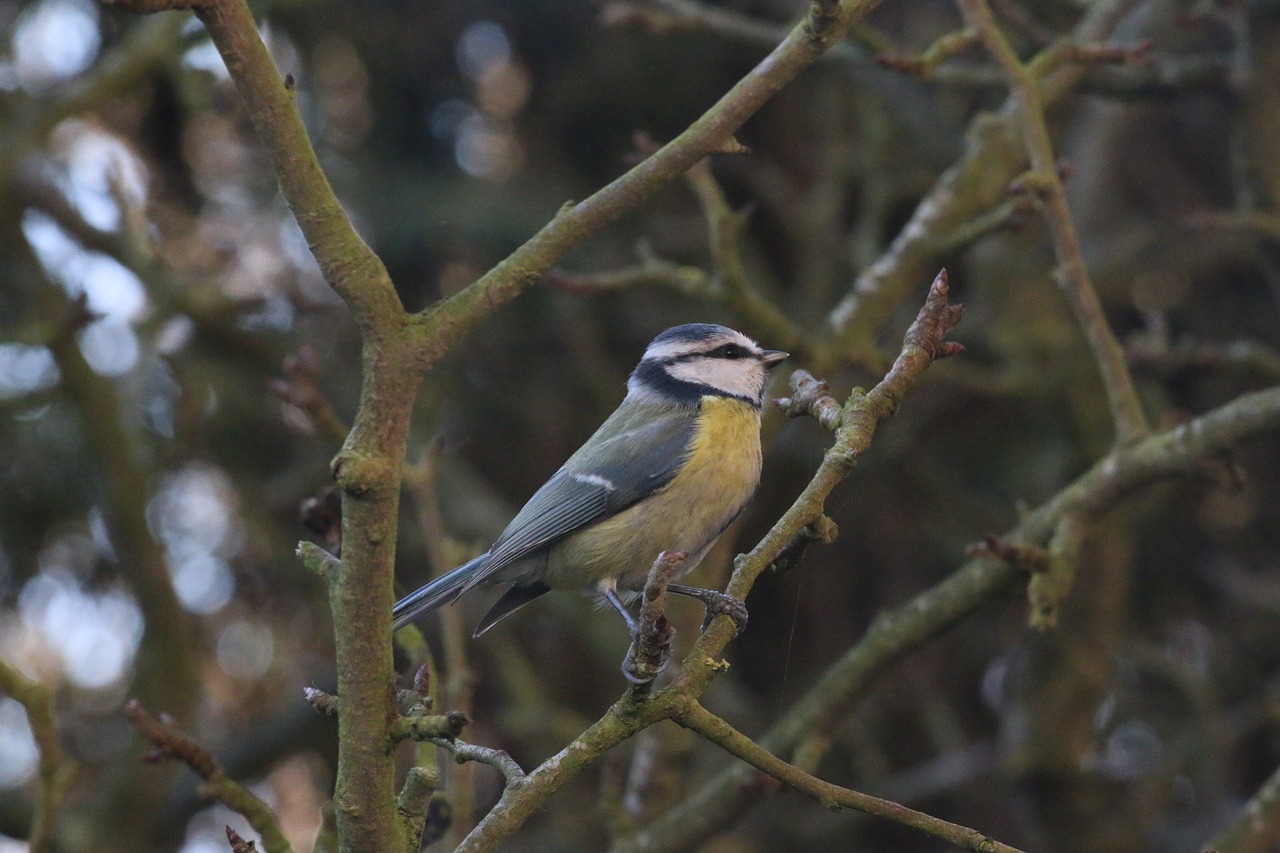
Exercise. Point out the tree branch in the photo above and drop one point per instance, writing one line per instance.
(1254, 828)
(57, 772)
(923, 343)
(903, 629)
(446, 321)
(1073, 274)
(832, 797)
(171, 743)
(495, 758)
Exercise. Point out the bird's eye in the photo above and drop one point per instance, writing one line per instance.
(730, 351)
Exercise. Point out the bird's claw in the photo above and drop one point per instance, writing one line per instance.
(642, 673)
(716, 603)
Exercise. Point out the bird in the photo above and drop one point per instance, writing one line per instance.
(670, 469)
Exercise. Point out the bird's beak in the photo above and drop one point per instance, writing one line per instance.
(770, 357)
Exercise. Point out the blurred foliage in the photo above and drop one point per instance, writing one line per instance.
(452, 131)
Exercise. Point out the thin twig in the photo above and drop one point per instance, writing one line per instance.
(56, 771)
(495, 758)
(832, 797)
(725, 226)
(429, 727)
(1073, 274)
(171, 743)
(420, 784)
(810, 396)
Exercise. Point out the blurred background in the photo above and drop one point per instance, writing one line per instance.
(167, 349)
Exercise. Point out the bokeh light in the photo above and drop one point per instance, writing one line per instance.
(54, 40)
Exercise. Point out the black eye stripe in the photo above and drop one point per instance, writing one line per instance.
(731, 352)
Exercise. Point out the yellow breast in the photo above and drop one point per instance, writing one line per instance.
(720, 474)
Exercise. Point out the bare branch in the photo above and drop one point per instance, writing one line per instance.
(1073, 274)
(810, 396)
(171, 743)
(495, 758)
(57, 772)
(901, 630)
(832, 797)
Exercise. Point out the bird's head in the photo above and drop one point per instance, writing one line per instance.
(686, 363)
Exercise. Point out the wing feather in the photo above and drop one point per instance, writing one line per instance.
(626, 463)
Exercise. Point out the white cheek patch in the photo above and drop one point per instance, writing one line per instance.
(739, 377)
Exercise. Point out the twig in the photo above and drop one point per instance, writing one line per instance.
(725, 226)
(942, 49)
(56, 771)
(909, 626)
(171, 743)
(650, 650)
(1245, 356)
(1073, 275)
(650, 271)
(325, 703)
(812, 397)
(318, 560)
(832, 797)
(924, 342)
(495, 758)
(429, 727)
(420, 784)
(1025, 556)
(1255, 826)
(238, 844)
(1047, 589)
(300, 387)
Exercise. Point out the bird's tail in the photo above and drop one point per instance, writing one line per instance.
(439, 592)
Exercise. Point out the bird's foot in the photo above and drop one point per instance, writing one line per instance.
(643, 671)
(716, 603)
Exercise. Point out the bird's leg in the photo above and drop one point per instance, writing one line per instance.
(715, 602)
(610, 593)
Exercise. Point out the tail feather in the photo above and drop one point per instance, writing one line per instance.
(439, 592)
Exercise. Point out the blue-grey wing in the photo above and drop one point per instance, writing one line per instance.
(625, 463)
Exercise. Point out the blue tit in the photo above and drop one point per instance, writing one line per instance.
(670, 469)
